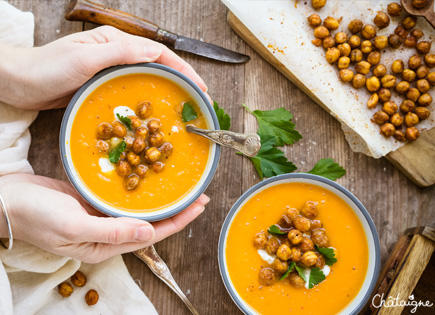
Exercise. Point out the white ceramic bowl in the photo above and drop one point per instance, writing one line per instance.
(146, 68)
(361, 212)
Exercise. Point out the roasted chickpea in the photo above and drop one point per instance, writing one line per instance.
(166, 149)
(419, 4)
(388, 130)
(131, 182)
(260, 240)
(411, 119)
(358, 81)
(373, 84)
(284, 252)
(152, 154)
(343, 62)
(431, 78)
(373, 101)
(123, 155)
(129, 142)
(279, 265)
(368, 31)
(410, 42)
(295, 236)
(412, 133)
(319, 238)
(321, 32)
(318, 4)
(402, 87)
(381, 42)
(309, 210)
(374, 58)
(123, 168)
(366, 46)
(104, 131)
(346, 75)
(390, 107)
(309, 258)
(407, 106)
(340, 37)
(139, 145)
(354, 41)
(301, 223)
(320, 263)
(409, 22)
(344, 49)
(422, 113)
(388, 81)
(362, 67)
(400, 135)
(331, 23)
(141, 132)
(295, 280)
(397, 66)
(422, 85)
(291, 213)
(267, 276)
(417, 33)
(394, 41)
(91, 297)
(65, 289)
(119, 129)
(314, 20)
(396, 119)
(408, 75)
(156, 139)
(143, 110)
(380, 117)
(296, 254)
(158, 167)
(394, 9)
(355, 26)
(306, 245)
(413, 94)
(133, 159)
(414, 62)
(141, 170)
(316, 224)
(401, 32)
(316, 42)
(154, 125)
(429, 60)
(382, 20)
(423, 47)
(332, 55)
(422, 72)
(328, 42)
(272, 246)
(425, 100)
(78, 279)
(384, 95)
(102, 146)
(380, 70)
(135, 122)
(356, 55)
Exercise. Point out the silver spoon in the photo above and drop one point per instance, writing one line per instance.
(149, 256)
(248, 144)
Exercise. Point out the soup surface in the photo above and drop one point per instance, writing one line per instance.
(183, 169)
(344, 230)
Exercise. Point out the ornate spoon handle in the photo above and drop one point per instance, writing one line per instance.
(248, 144)
(149, 256)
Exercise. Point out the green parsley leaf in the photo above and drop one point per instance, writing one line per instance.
(116, 153)
(316, 276)
(301, 272)
(273, 229)
(290, 268)
(270, 161)
(188, 112)
(223, 118)
(125, 120)
(328, 169)
(328, 254)
(276, 123)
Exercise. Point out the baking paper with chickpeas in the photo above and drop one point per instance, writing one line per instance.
(282, 27)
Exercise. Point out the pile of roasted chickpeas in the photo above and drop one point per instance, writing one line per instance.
(145, 145)
(363, 49)
(296, 245)
(79, 280)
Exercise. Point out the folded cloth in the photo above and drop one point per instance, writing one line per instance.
(28, 275)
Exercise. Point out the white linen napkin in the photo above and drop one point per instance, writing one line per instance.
(28, 275)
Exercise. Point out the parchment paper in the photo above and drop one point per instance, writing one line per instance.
(282, 27)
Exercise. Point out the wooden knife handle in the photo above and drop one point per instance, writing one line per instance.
(87, 11)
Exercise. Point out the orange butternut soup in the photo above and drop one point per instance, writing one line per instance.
(183, 168)
(345, 233)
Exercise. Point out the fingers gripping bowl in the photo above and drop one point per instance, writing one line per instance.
(299, 243)
(124, 144)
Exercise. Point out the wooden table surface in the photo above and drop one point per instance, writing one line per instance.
(393, 201)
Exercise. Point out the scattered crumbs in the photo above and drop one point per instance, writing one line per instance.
(247, 223)
(353, 268)
(188, 292)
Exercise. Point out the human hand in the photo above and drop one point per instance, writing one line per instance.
(50, 214)
(46, 77)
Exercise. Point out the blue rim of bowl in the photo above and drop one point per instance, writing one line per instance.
(251, 191)
(67, 167)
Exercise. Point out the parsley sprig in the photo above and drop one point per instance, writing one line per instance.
(125, 120)
(315, 277)
(328, 254)
(274, 229)
(188, 112)
(115, 154)
(290, 268)
(223, 118)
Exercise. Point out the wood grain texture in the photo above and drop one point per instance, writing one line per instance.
(394, 202)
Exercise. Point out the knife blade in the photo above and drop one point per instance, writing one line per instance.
(88, 11)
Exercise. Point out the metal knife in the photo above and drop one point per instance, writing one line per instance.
(87, 11)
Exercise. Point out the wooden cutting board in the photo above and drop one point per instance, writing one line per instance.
(416, 160)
